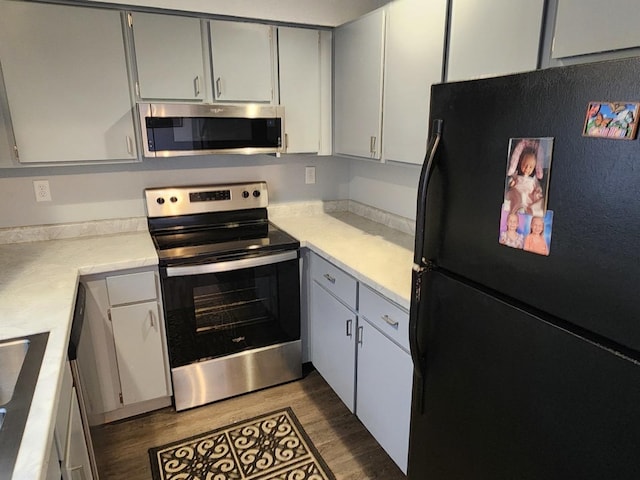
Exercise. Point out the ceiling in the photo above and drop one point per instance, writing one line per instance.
(329, 13)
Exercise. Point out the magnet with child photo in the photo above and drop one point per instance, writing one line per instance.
(525, 222)
(527, 178)
(526, 232)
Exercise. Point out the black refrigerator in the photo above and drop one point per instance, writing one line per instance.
(525, 309)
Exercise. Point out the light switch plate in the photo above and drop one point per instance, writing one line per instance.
(310, 175)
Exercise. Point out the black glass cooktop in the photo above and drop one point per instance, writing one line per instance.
(220, 242)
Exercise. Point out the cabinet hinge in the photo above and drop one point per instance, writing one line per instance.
(120, 395)
(109, 314)
(15, 149)
(130, 20)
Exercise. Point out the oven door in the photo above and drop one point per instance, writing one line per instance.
(219, 309)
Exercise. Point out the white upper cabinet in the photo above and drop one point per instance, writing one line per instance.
(242, 61)
(6, 143)
(493, 38)
(67, 84)
(299, 74)
(169, 56)
(358, 63)
(413, 62)
(584, 27)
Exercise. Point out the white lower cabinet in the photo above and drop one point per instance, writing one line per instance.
(69, 457)
(76, 463)
(123, 354)
(332, 343)
(138, 340)
(359, 344)
(384, 380)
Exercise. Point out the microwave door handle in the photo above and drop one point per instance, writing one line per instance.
(232, 264)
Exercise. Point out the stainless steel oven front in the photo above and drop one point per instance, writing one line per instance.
(232, 326)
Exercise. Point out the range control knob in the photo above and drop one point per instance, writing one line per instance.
(245, 194)
(256, 193)
(160, 200)
(173, 199)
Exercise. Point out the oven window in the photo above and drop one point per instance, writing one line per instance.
(218, 314)
(245, 300)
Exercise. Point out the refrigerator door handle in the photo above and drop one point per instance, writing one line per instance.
(420, 265)
(425, 177)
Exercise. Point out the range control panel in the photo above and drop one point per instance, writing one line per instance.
(170, 201)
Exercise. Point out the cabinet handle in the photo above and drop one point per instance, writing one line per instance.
(349, 332)
(329, 278)
(80, 469)
(372, 145)
(218, 87)
(286, 141)
(390, 321)
(129, 145)
(151, 322)
(196, 85)
(359, 337)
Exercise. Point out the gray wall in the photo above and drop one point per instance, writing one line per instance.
(390, 187)
(115, 191)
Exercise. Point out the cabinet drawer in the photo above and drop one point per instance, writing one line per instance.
(387, 316)
(134, 287)
(334, 280)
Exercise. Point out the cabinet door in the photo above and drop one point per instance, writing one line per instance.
(358, 61)
(385, 374)
(6, 139)
(493, 38)
(168, 56)
(241, 55)
(414, 53)
(67, 84)
(76, 463)
(596, 27)
(299, 74)
(332, 343)
(137, 336)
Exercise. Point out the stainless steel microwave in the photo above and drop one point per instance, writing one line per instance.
(178, 129)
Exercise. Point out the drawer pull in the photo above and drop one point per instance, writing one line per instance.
(329, 278)
(390, 321)
(151, 322)
(349, 322)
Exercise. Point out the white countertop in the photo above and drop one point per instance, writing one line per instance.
(39, 280)
(373, 253)
(37, 294)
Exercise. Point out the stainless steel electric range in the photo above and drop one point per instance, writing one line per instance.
(230, 288)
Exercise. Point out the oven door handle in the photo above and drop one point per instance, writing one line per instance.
(232, 264)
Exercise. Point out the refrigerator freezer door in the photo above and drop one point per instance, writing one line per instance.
(591, 276)
(509, 396)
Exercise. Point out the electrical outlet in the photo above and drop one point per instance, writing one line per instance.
(310, 175)
(41, 188)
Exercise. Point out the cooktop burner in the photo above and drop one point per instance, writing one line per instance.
(202, 224)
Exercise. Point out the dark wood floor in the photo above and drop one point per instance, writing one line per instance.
(345, 445)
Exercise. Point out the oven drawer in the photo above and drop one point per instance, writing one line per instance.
(339, 283)
(388, 317)
(133, 287)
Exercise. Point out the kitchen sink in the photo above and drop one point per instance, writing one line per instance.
(20, 361)
(12, 355)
